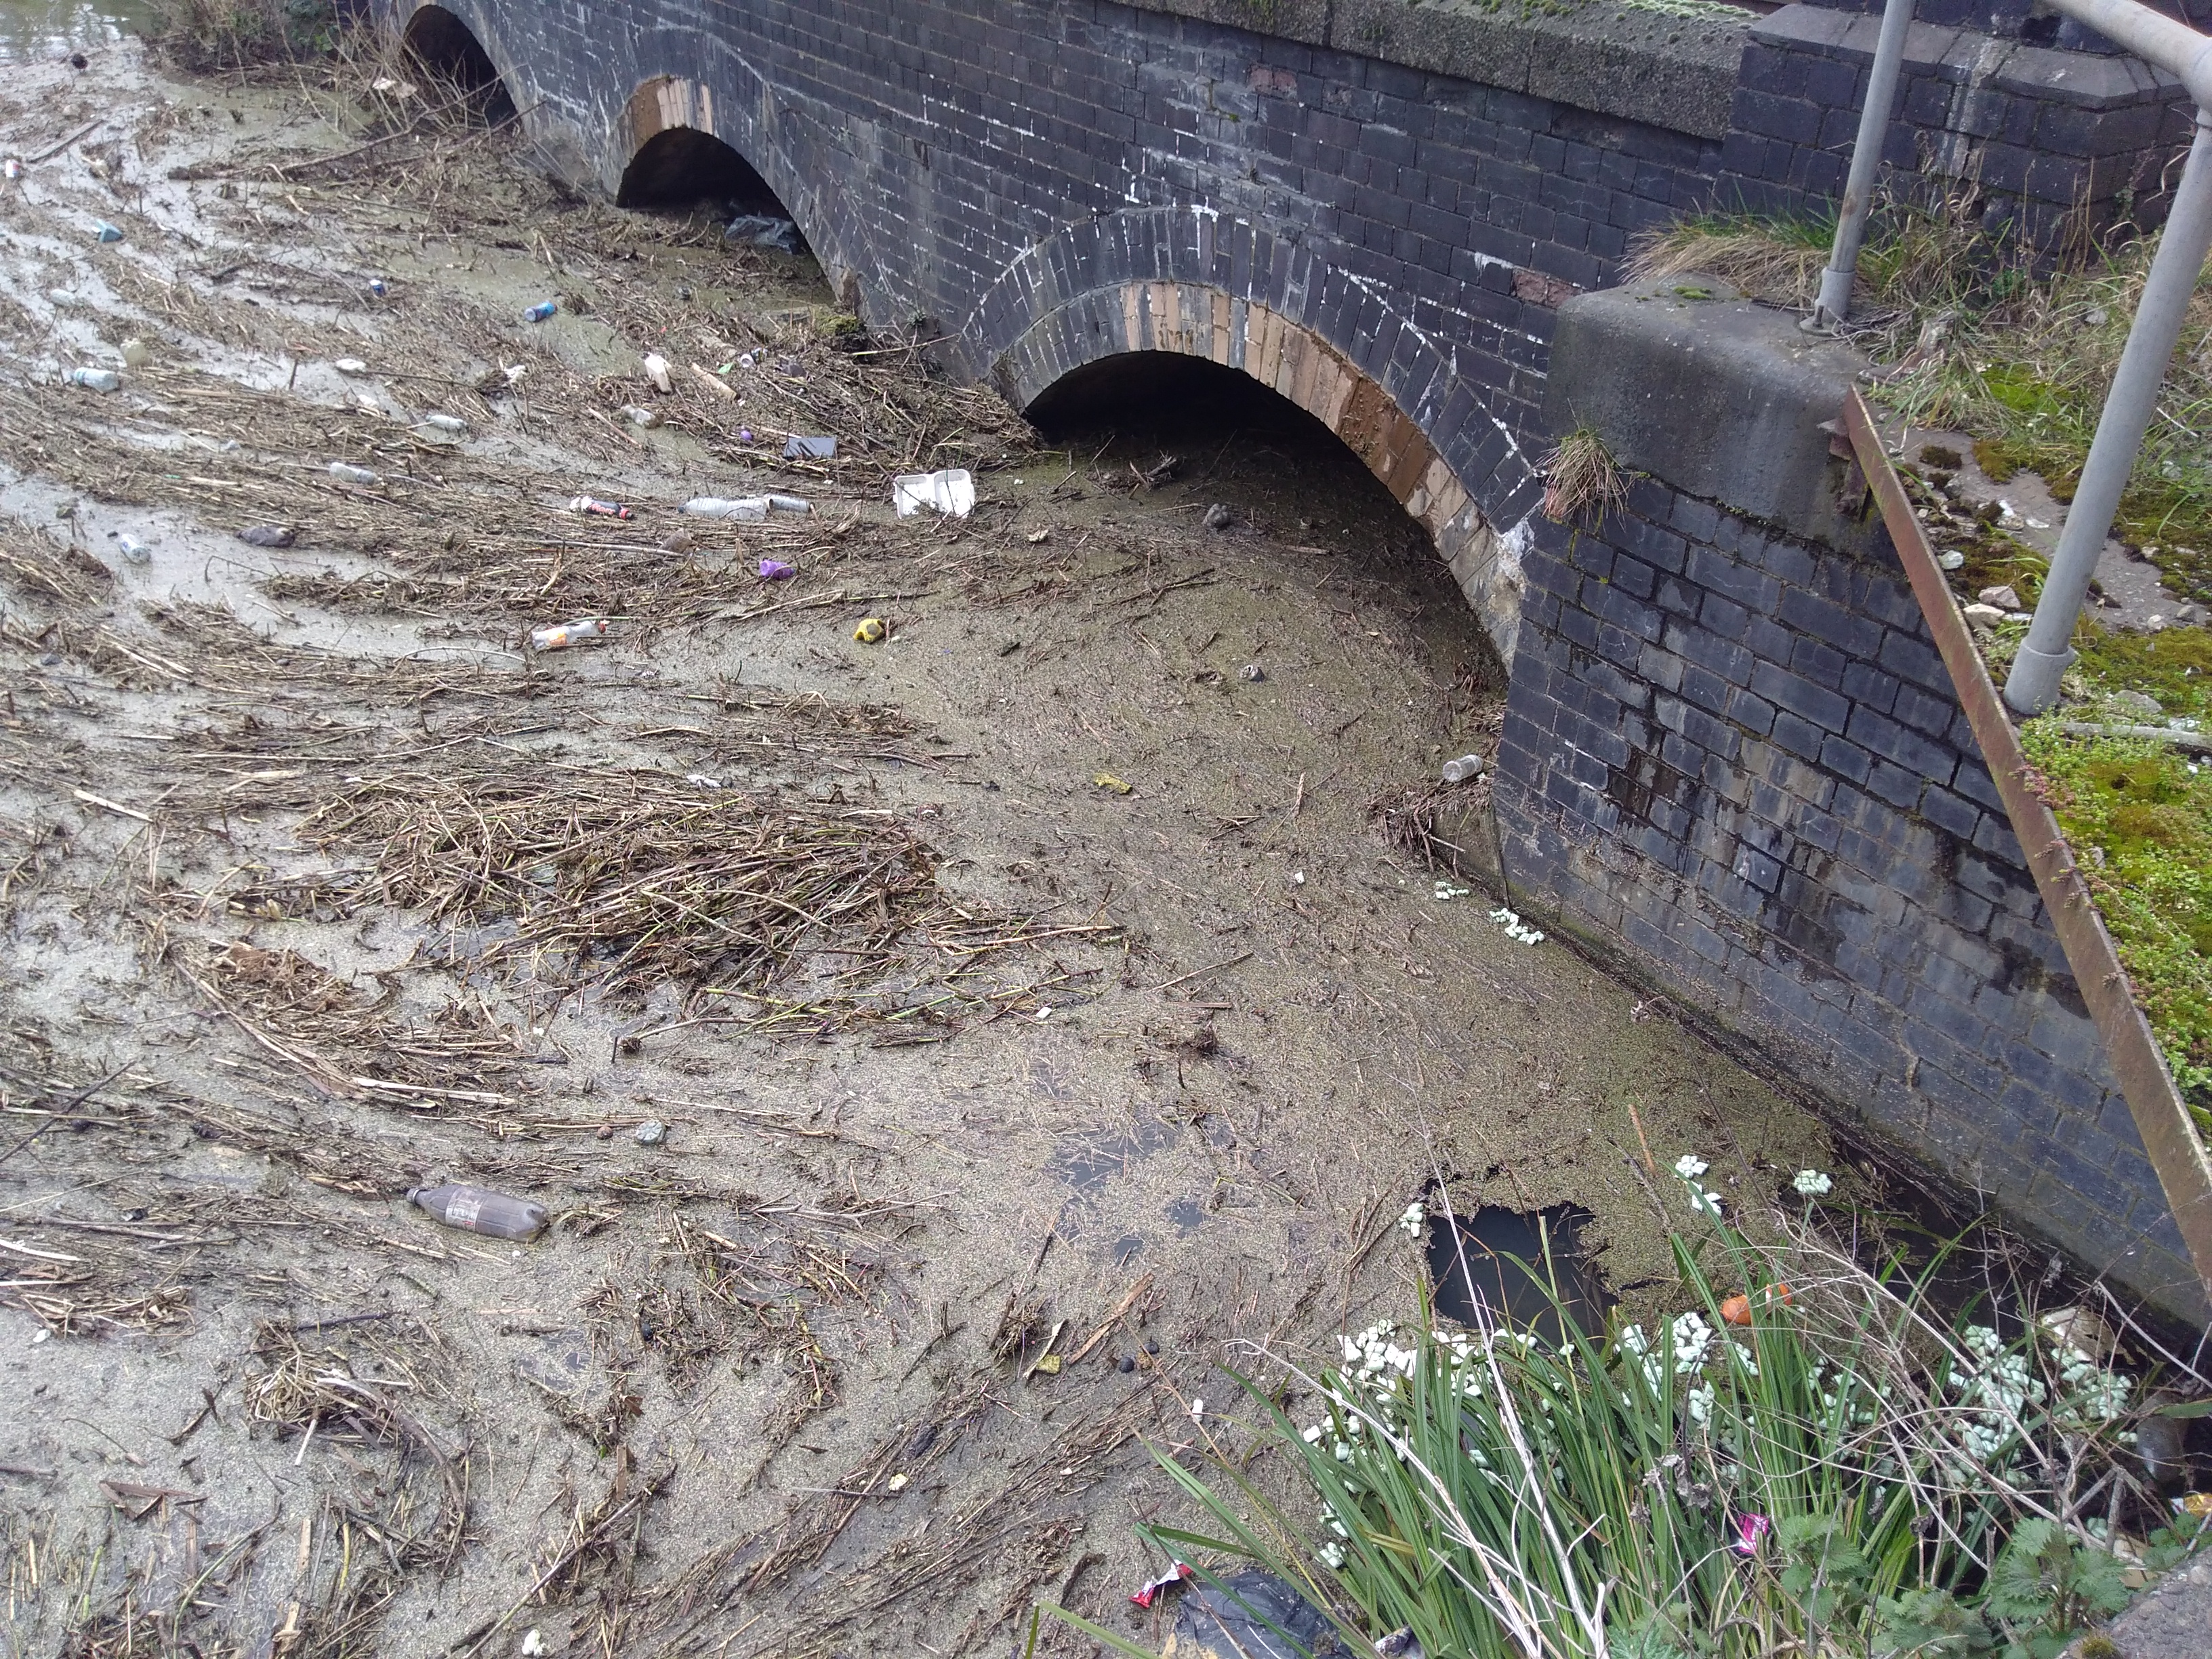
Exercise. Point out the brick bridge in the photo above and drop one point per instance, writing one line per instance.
(1371, 206)
(1732, 759)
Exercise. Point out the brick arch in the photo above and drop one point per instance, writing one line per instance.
(774, 147)
(470, 16)
(1200, 320)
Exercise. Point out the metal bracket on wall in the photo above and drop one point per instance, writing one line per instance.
(2177, 1152)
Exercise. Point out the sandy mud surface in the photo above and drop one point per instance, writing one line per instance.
(927, 1126)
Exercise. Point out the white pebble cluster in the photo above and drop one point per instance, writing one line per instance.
(1511, 921)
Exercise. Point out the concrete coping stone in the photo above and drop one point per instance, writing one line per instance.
(1669, 63)
(1715, 394)
(2088, 80)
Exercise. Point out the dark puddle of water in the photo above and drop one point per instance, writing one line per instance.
(1516, 1269)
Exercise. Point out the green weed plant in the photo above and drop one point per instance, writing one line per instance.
(1852, 1473)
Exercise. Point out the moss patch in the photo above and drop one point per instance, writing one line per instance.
(2175, 667)
(2139, 817)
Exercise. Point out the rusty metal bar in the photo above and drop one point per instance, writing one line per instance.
(2177, 1152)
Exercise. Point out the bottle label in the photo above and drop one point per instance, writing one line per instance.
(463, 1209)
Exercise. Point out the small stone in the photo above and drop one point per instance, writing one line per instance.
(651, 1132)
(2005, 599)
(604, 1131)
(2138, 702)
(1126, 1362)
(1983, 615)
(1219, 517)
(2190, 616)
(1251, 673)
(1950, 559)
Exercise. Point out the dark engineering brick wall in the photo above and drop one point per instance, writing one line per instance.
(1737, 757)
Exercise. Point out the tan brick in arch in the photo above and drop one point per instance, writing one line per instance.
(669, 100)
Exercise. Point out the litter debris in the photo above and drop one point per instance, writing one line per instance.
(592, 507)
(896, 1483)
(133, 353)
(479, 1210)
(1219, 517)
(1108, 781)
(713, 383)
(1251, 673)
(346, 472)
(134, 550)
(534, 1643)
(95, 379)
(656, 370)
(748, 508)
(540, 311)
(1736, 1309)
(952, 491)
(1951, 559)
(1413, 1219)
(1465, 768)
(1750, 1531)
(451, 425)
(1178, 1574)
(350, 366)
(267, 535)
(1511, 921)
(651, 1132)
(13, 168)
(770, 230)
(638, 415)
(870, 630)
(2197, 1503)
(107, 233)
(775, 570)
(567, 633)
(1049, 1366)
(744, 434)
(809, 449)
(376, 288)
(1034, 537)
(1448, 890)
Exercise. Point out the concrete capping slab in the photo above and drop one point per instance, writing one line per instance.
(1719, 397)
(2085, 80)
(1675, 68)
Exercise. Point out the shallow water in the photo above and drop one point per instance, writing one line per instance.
(31, 30)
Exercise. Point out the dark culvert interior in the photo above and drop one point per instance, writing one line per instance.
(684, 167)
(450, 52)
(1252, 448)
(1209, 434)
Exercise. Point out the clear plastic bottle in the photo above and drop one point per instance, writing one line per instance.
(346, 472)
(95, 379)
(593, 507)
(479, 1210)
(134, 550)
(751, 509)
(565, 635)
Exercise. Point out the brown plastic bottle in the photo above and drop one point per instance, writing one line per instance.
(479, 1210)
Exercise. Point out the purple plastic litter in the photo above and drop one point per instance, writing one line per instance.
(774, 570)
(744, 434)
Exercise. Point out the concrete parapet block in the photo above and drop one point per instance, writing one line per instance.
(1724, 398)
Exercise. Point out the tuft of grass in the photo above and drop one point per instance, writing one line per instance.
(1848, 1467)
(1581, 475)
(2139, 814)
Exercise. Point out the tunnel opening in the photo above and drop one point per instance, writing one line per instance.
(1272, 464)
(450, 56)
(1195, 433)
(681, 167)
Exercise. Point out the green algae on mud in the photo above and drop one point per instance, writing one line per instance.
(2139, 814)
